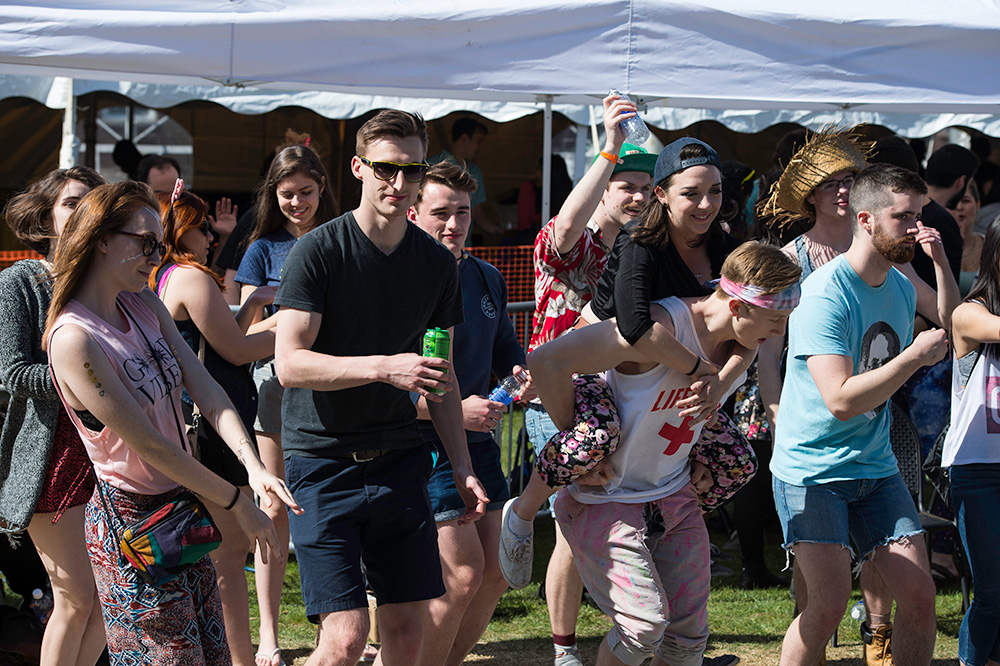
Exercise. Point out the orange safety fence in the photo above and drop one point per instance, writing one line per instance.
(7, 257)
(513, 261)
(515, 264)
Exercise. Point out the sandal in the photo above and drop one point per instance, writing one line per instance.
(260, 658)
(369, 654)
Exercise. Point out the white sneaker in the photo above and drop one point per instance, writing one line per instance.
(567, 657)
(515, 553)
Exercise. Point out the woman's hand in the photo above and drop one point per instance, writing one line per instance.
(258, 528)
(701, 477)
(225, 217)
(268, 488)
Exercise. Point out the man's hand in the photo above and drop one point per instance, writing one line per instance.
(529, 392)
(704, 387)
(473, 495)
(929, 239)
(480, 414)
(930, 346)
(616, 110)
(417, 374)
(701, 477)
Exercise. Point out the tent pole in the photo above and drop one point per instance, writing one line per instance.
(580, 161)
(547, 161)
(68, 150)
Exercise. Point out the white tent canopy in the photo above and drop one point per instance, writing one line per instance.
(892, 55)
(898, 56)
(54, 93)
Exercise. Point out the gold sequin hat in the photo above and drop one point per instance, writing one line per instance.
(825, 153)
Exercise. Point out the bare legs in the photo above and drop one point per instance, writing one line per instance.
(75, 632)
(826, 569)
(229, 560)
(271, 576)
(473, 583)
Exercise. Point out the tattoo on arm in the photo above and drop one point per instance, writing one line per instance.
(93, 380)
(243, 442)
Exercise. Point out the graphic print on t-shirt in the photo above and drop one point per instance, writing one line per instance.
(489, 309)
(992, 403)
(879, 345)
(144, 371)
(676, 435)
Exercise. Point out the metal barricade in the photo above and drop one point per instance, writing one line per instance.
(510, 433)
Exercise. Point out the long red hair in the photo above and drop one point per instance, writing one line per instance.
(189, 212)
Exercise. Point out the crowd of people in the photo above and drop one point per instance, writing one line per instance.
(658, 383)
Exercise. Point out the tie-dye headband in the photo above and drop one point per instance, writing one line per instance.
(750, 293)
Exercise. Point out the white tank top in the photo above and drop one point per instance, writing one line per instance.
(974, 434)
(651, 460)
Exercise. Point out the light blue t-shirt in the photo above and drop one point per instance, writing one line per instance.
(839, 314)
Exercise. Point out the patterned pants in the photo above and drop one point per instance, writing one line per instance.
(647, 567)
(179, 623)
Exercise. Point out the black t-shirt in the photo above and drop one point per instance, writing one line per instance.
(936, 216)
(637, 275)
(372, 304)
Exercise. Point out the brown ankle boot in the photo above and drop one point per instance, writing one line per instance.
(877, 650)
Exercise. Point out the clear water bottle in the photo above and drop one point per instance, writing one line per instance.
(41, 605)
(509, 388)
(858, 610)
(636, 131)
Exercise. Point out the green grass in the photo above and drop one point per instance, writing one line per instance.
(750, 624)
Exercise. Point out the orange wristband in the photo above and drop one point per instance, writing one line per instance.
(614, 159)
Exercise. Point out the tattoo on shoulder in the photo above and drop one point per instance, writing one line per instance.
(93, 379)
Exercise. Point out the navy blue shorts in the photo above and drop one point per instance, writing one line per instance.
(375, 512)
(446, 503)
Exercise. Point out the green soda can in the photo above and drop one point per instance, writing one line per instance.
(437, 344)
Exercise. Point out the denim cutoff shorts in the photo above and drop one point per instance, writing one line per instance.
(869, 512)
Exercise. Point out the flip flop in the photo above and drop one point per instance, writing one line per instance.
(270, 658)
(369, 654)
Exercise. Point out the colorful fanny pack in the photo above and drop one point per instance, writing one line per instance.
(167, 540)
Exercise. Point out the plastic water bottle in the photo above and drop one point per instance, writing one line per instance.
(41, 605)
(636, 131)
(858, 610)
(509, 388)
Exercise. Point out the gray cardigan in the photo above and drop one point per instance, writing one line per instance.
(28, 430)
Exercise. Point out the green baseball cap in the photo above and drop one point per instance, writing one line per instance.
(634, 158)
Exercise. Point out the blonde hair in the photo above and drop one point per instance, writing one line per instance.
(761, 265)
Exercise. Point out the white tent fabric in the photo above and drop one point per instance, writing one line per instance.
(916, 56)
(52, 92)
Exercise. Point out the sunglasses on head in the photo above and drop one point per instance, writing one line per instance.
(149, 243)
(413, 172)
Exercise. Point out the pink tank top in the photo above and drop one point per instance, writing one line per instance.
(114, 461)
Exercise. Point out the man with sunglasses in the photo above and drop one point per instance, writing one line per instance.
(356, 296)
